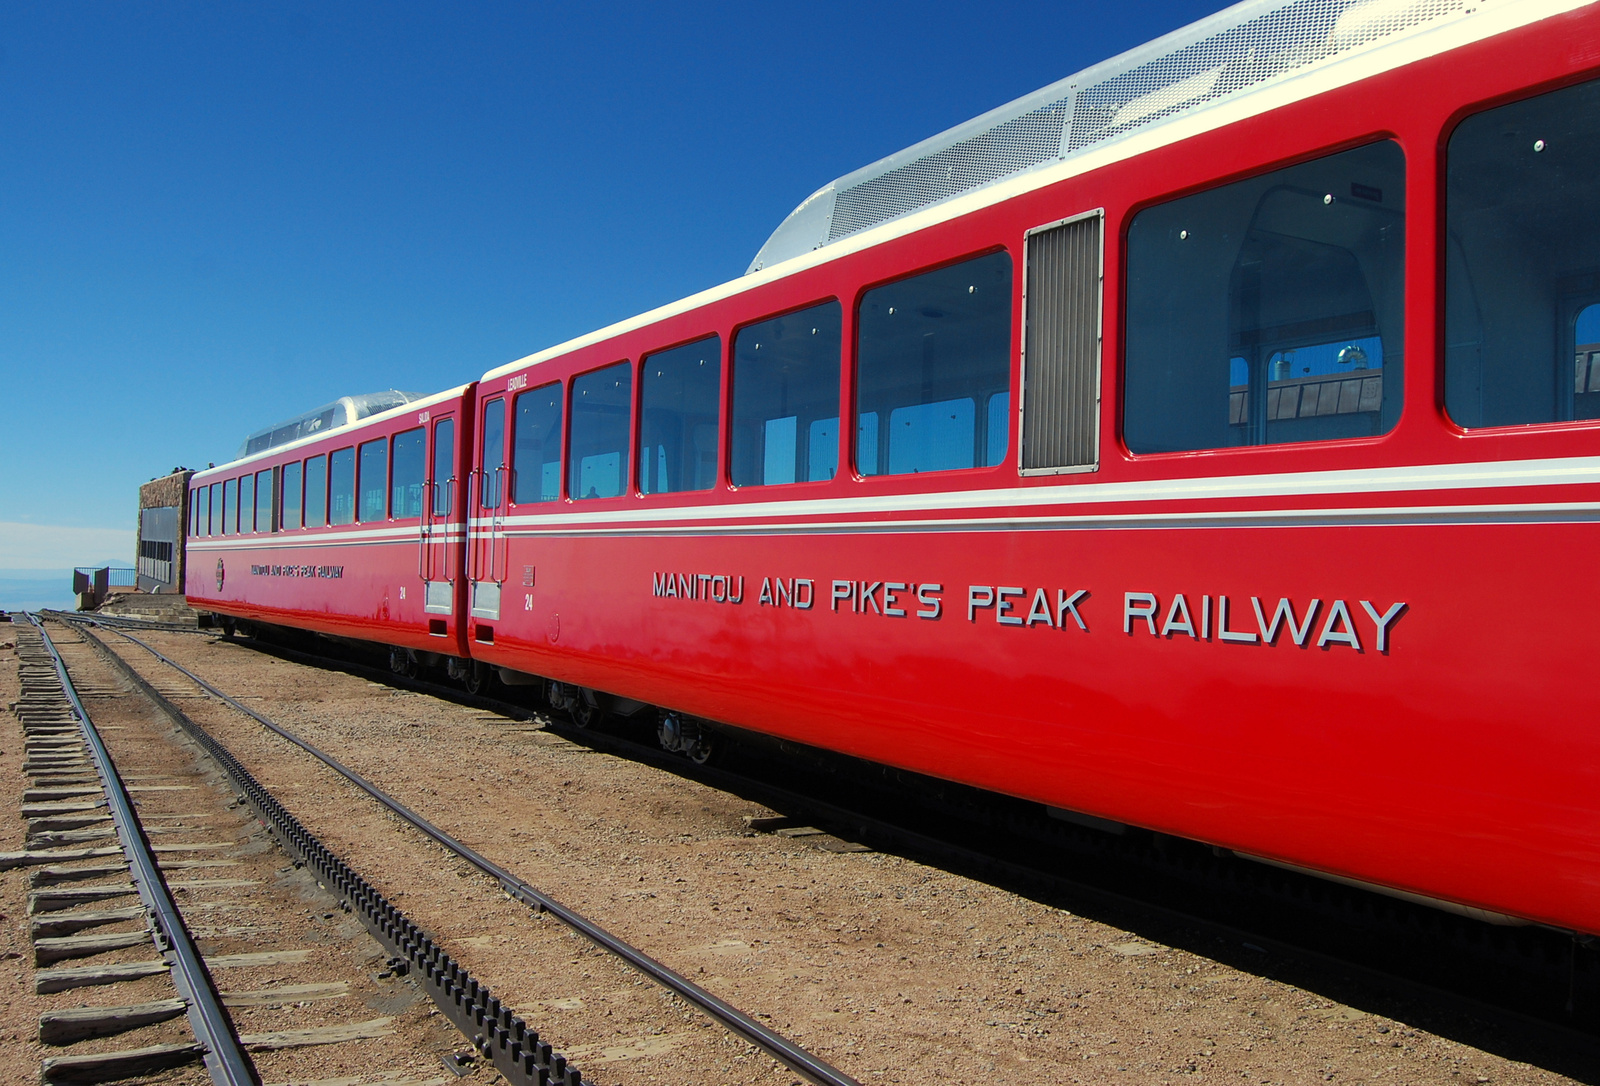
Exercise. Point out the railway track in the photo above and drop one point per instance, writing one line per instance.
(77, 872)
(492, 1039)
(1325, 937)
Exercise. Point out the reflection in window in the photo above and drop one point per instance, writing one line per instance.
(786, 398)
(493, 456)
(597, 461)
(405, 474)
(536, 460)
(316, 491)
(931, 349)
(342, 487)
(264, 500)
(290, 503)
(679, 413)
(1269, 310)
(1522, 261)
(374, 479)
(444, 467)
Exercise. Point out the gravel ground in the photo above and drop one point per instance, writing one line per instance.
(894, 971)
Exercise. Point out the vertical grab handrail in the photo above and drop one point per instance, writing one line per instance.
(497, 523)
(425, 534)
(474, 505)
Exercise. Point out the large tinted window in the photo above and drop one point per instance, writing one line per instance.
(786, 398)
(230, 506)
(214, 520)
(679, 412)
(264, 500)
(342, 487)
(247, 504)
(202, 514)
(1269, 310)
(597, 463)
(405, 484)
(444, 467)
(374, 479)
(316, 491)
(536, 459)
(494, 452)
(933, 370)
(1522, 262)
(291, 495)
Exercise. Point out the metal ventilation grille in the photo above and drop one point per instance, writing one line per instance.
(1061, 347)
(1243, 56)
(1011, 147)
(1230, 53)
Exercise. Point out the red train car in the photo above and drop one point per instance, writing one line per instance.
(355, 531)
(1206, 443)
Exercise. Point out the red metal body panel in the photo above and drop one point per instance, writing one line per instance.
(1454, 756)
(359, 580)
(1462, 762)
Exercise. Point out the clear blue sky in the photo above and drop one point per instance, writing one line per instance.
(214, 216)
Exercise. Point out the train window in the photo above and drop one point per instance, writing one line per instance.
(230, 506)
(199, 519)
(444, 467)
(494, 452)
(264, 501)
(597, 457)
(679, 414)
(289, 504)
(342, 486)
(405, 473)
(247, 504)
(536, 457)
(316, 491)
(214, 511)
(1061, 349)
(932, 352)
(372, 480)
(1269, 310)
(1522, 274)
(786, 398)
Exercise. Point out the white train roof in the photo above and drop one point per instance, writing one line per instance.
(1243, 61)
(1236, 51)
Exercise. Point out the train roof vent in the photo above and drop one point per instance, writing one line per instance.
(1233, 52)
(330, 416)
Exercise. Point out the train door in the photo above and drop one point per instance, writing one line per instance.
(439, 551)
(486, 549)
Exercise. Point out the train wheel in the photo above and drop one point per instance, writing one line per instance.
(587, 713)
(476, 678)
(705, 749)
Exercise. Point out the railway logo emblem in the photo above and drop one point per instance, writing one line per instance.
(222, 574)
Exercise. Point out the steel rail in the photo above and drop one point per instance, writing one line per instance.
(1543, 1034)
(224, 1056)
(776, 1045)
